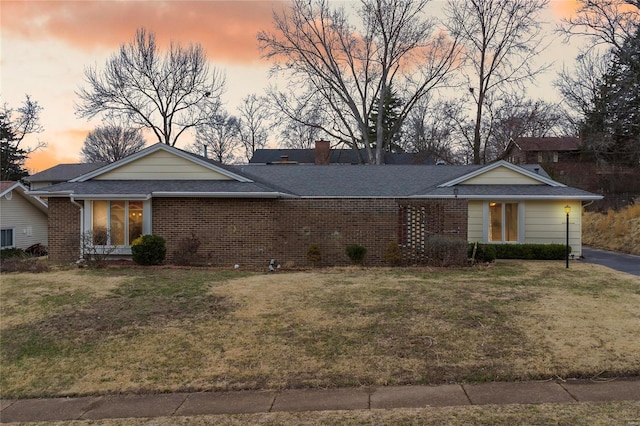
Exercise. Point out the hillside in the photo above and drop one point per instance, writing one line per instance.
(615, 230)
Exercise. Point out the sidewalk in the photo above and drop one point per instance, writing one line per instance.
(191, 404)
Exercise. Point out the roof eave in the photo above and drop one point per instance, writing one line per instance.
(514, 197)
(509, 166)
(153, 148)
(168, 194)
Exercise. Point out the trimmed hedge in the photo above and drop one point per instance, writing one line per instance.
(483, 252)
(488, 252)
(356, 253)
(148, 250)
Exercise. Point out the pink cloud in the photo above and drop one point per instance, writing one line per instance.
(53, 154)
(226, 29)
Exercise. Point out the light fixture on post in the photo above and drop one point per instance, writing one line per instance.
(567, 210)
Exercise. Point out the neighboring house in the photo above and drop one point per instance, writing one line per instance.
(61, 173)
(322, 154)
(251, 214)
(548, 150)
(23, 218)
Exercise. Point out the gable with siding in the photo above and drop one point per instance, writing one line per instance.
(500, 176)
(161, 165)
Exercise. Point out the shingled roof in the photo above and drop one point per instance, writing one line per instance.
(315, 181)
(64, 172)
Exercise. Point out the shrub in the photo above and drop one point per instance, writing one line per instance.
(393, 255)
(313, 254)
(186, 252)
(489, 252)
(481, 253)
(148, 250)
(445, 251)
(532, 251)
(23, 264)
(356, 253)
(11, 252)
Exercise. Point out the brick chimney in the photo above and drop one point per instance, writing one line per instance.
(323, 152)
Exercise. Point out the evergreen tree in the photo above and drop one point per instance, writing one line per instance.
(12, 157)
(612, 129)
(391, 108)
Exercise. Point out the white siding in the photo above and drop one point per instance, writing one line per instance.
(545, 223)
(162, 165)
(474, 224)
(29, 223)
(501, 176)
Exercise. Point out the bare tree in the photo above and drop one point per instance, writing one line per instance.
(167, 93)
(218, 138)
(253, 123)
(24, 121)
(351, 68)
(579, 87)
(501, 40)
(111, 143)
(517, 116)
(604, 22)
(300, 119)
(430, 129)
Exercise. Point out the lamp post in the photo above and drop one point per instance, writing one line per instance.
(567, 210)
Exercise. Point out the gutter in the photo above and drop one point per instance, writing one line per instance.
(164, 194)
(513, 197)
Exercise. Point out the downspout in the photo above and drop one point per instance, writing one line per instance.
(81, 206)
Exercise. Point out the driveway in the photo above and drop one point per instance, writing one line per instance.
(619, 261)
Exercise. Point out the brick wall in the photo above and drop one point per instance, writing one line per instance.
(251, 232)
(64, 230)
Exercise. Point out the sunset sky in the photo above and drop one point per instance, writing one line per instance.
(46, 45)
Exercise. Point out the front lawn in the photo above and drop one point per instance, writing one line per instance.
(135, 330)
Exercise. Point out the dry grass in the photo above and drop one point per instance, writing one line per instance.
(591, 414)
(615, 231)
(158, 330)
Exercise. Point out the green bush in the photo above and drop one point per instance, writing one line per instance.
(148, 250)
(483, 252)
(488, 252)
(11, 252)
(444, 251)
(313, 254)
(532, 251)
(356, 253)
(393, 255)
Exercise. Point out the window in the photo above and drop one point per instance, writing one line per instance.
(116, 223)
(503, 222)
(7, 237)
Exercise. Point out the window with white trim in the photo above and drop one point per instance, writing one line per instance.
(116, 223)
(7, 237)
(503, 223)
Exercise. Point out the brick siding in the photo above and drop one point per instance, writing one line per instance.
(251, 232)
(64, 230)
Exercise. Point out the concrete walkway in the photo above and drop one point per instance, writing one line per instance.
(207, 403)
(619, 261)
